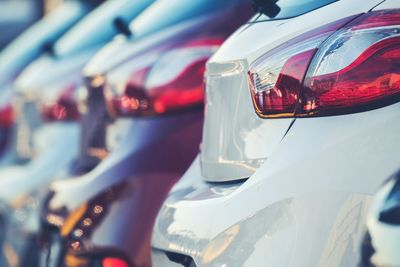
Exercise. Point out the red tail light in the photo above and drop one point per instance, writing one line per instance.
(61, 107)
(356, 68)
(114, 262)
(6, 116)
(173, 83)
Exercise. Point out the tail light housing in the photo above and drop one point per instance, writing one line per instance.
(348, 66)
(172, 83)
(61, 105)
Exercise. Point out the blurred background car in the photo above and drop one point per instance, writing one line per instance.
(35, 41)
(380, 243)
(46, 106)
(16, 16)
(300, 130)
(152, 83)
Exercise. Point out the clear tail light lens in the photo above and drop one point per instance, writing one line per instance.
(174, 82)
(351, 69)
(356, 68)
(61, 106)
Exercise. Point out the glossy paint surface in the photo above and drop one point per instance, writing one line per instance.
(176, 29)
(154, 154)
(29, 45)
(50, 148)
(26, 48)
(235, 140)
(314, 198)
(49, 142)
(152, 157)
(146, 167)
(307, 204)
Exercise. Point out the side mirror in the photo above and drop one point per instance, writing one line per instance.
(122, 27)
(267, 7)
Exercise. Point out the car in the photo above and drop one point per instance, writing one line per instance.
(35, 41)
(48, 133)
(379, 246)
(152, 86)
(15, 16)
(300, 130)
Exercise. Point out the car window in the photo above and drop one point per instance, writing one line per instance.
(293, 8)
(166, 13)
(98, 27)
(30, 43)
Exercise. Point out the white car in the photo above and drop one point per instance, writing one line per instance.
(301, 128)
(47, 97)
(48, 131)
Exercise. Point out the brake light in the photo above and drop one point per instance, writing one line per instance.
(61, 107)
(114, 262)
(6, 116)
(174, 82)
(352, 69)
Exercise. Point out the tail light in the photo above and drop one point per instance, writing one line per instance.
(6, 116)
(6, 122)
(72, 260)
(61, 106)
(114, 262)
(173, 83)
(337, 69)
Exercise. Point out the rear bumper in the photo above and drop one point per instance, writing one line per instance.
(305, 206)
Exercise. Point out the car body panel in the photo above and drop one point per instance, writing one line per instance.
(44, 78)
(47, 78)
(15, 17)
(47, 163)
(387, 4)
(99, 26)
(30, 44)
(159, 160)
(150, 37)
(155, 153)
(312, 202)
(306, 205)
(26, 48)
(50, 74)
(245, 140)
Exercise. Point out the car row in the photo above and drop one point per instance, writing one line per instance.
(202, 133)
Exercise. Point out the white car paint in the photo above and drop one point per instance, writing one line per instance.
(306, 204)
(56, 146)
(49, 75)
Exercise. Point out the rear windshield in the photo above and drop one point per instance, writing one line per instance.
(31, 42)
(97, 28)
(165, 13)
(293, 8)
